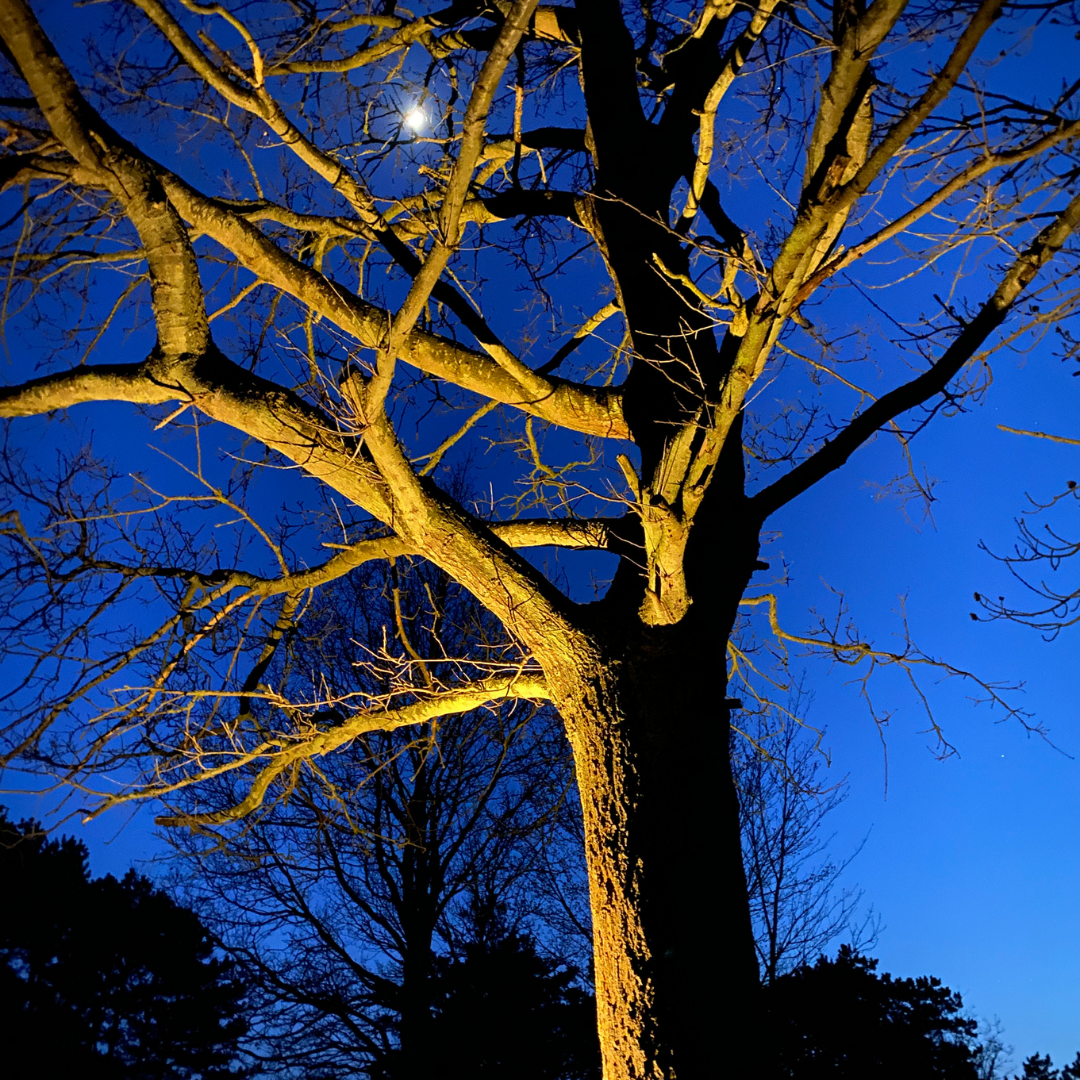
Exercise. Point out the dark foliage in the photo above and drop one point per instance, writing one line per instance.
(840, 1019)
(1039, 1067)
(106, 978)
(504, 1012)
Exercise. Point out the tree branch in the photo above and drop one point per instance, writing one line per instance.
(587, 409)
(183, 330)
(912, 394)
(283, 754)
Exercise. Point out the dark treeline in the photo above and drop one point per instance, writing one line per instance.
(108, 980)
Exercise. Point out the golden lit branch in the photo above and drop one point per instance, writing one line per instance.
(1040, 435)
(182, 321)
(405, 34)
(176, 289)
(446, 242)
(106, 382)
(732, 65)
(571, 533)
(934, 381)
(968, 175)
(587, 409)
(284, 753)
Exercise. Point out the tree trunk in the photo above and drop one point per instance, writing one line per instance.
(676, 972)
(419, 863)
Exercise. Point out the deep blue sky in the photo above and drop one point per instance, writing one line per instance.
(973, 863)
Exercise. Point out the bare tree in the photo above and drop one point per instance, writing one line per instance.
(338, 900)
(798, 900)
(720, 184)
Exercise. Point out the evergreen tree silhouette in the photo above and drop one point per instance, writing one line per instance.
(840, 1019)
(107, 979)
(1039, 1067)
(501, 1011)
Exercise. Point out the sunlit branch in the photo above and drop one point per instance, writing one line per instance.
(183, 331)
(940, 87)
(103, 382)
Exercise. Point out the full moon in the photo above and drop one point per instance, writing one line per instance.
(416, 119)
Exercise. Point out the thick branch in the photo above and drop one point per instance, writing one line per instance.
(609, 73)
(277, 417)
(183, 330)
(590, 410)
(105, 382)
(486, 692)
(836, 452)
(733, 62)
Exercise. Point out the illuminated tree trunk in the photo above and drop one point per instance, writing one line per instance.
(676, 972)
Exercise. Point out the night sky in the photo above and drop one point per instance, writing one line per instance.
(972, 862)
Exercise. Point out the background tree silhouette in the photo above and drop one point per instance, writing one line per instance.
(106, 978)
(840, 1019)
(502, 1010)
(345, 903)
(798, 901)
(1040, 1067)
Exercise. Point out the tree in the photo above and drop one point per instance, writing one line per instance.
(838, 1018)
(796, 905)
(344, 904)
(108, 978)
(504, 1011)
(992, 1055)
(375, 183)
(1039, 1067)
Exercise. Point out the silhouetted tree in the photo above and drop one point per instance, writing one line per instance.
(797, 903)
(992, 1056)
(107, 978)
(1039, 1067)
(340, 902)
(504, 1012)
(840, 1019)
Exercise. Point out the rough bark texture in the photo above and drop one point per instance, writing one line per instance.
(675, 963)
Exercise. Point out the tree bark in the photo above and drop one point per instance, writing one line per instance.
(676, 972)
